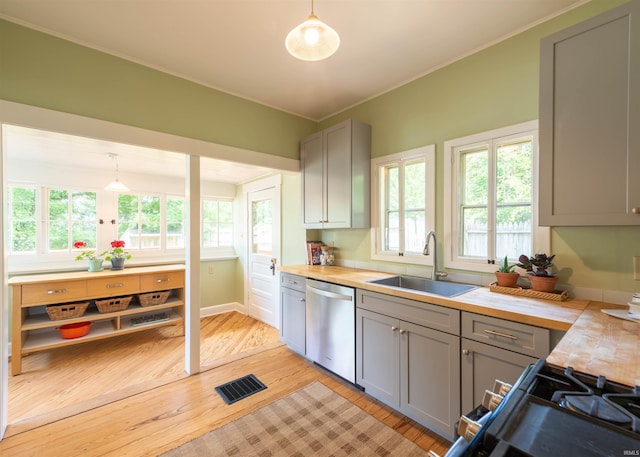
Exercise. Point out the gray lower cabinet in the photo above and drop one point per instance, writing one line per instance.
(493, 349)
(292, 312)
(410, 367)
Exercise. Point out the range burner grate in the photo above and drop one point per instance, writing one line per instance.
(596, 406)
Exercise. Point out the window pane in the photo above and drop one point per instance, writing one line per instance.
(84, 217)
(514, 165)
(390, 198)
(392, 226)
(58, 205)
(150, 222)
(414, 205)
(217, 223)
(513, 231)
(474, 167)
(226, 212)
(175, 222)
(474, 232)
(22, 213)
(128, 220)
(261, 230)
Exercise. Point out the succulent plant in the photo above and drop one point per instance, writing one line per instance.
(536, 265)
(505, 267)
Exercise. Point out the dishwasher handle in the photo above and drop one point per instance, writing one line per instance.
(326, 293)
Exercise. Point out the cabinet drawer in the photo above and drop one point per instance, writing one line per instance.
(292, 281)
(114, 286)
(522, 338)
(162, 281)
(432, 316)
(53, 292)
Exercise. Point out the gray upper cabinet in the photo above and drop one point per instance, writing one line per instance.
(589, 118)
(336, 176)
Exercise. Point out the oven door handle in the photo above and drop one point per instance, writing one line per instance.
(504, 335)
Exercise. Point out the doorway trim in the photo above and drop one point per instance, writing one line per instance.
(72, 124)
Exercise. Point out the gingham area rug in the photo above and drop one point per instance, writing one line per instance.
(313, 421)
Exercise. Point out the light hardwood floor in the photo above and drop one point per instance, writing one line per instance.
(155, 414)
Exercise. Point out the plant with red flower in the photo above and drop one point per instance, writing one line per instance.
(90, 255)
(117, 251)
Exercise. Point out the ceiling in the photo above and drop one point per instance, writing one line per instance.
(30, 147)
(237, 46)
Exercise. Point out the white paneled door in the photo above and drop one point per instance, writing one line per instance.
(263, 250)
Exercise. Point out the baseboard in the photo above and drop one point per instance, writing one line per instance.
(221, 309)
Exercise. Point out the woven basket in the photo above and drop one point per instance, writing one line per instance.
(112, 305)
(66, 310)
(154, 298)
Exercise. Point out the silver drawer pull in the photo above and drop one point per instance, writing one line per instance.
(163, 280)
(504, 335)
(56, 291)
(292, 282)
(118, 284)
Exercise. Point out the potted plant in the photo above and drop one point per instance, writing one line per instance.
(506, 275)
(95, 260)
(538, 270)
(117, 255)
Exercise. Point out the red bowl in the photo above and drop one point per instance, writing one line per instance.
(76, 330)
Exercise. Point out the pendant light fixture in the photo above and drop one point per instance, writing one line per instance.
(312, 40)
(115, 185)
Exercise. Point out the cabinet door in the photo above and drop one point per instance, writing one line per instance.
(312, 157)
(481, 365)
(337, 142)
(589, 117)
(292, 315)
(430, 377)
(377, 349)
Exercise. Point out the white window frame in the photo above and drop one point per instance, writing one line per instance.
(540, 236)
(220, 251)
(428, 153)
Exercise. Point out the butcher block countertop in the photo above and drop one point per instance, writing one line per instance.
(601, 345)
(542, 313)
(595, 343)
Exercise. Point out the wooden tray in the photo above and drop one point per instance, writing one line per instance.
(558, 295)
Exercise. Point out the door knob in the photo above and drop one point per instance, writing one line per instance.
(466, 352)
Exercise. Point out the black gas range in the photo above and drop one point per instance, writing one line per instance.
(554, 412)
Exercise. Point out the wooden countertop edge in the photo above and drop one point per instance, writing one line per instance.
(80, 275)
(551, 315)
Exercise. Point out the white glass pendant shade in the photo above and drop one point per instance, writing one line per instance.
(116, 185)
(312, 40)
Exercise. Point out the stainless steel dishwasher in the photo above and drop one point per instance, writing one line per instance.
(330, 322)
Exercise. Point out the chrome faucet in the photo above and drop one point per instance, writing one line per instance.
(436, 275)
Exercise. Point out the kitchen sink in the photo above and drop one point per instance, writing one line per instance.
(414, 283)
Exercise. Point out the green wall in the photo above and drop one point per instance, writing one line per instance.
(493, 88)
(220, 283)
(45, 71)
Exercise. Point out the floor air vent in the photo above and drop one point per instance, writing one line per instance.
(241, 388)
